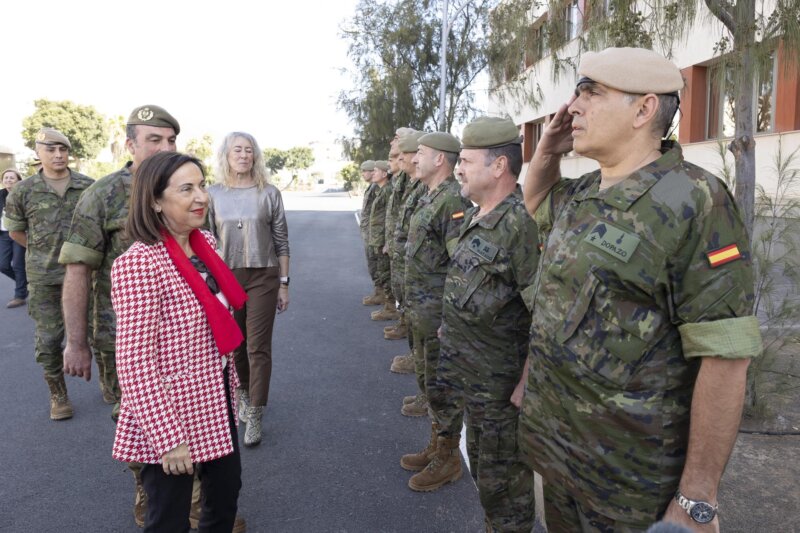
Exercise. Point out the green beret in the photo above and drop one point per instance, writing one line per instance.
(410, 142)
(439, 140)
(153, 115)
(368, 165)
(490, 132)
(51, 136)
(383, 165)
(631, 70)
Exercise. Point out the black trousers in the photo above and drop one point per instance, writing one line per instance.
(169, 497)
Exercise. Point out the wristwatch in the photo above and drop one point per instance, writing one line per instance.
(700, 511)
(285, 280)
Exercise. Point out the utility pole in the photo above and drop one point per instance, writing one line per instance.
(446, 22)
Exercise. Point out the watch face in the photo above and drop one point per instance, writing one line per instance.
(702, 513)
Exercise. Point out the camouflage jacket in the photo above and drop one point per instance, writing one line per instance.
(366, 206)
(630, 293)
(413, 192)
(485, 322)
(432, 233)
(377, 216)
(96, 238)
(35, 208)
(393, 206)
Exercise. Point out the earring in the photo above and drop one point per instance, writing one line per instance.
(158, 209)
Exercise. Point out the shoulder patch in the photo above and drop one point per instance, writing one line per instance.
(723, 255)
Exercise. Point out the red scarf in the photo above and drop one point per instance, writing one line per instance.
(226, 331)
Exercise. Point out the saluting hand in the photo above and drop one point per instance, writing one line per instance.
(177, 460)
(557, 135)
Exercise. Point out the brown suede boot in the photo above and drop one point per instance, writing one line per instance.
(387, 313)
(409, 399)
(376, 298)
(60, 406)
(444, 467)
(419, 407)
(403, 365)
(416, 462)
(400, 332)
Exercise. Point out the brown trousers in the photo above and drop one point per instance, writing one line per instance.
(254, 356)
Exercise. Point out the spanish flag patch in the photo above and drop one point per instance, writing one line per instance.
(723, 255)
(457, 215)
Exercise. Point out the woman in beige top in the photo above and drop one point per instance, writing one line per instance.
(246, 216)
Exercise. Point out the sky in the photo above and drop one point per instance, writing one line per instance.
(269, 68)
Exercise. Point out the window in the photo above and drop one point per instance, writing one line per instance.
(537, 45)
(722, 106)
(532, 134)
(572, 20)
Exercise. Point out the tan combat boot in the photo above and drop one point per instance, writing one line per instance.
(445, 467)
(60, 406)
(416, 462)
(399, 332)
(409, 399)
(403, 364)
(387, 313)
(376, 298)
(418, 407)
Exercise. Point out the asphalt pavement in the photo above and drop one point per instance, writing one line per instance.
(333, 432)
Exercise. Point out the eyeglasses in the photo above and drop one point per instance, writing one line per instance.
(203, 269)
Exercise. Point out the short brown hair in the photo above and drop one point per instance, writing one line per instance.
(151, 179)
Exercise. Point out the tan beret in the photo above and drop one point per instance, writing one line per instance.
(50, 136)
(382, 165)
(410, 142)
(153, 115)
(439, 140)
(631, 70)
(490, 132)
(403, 131)
(368, 165)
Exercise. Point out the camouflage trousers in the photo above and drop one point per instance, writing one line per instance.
(445, 404)
(371, 263)
(382, 269)
(397, 267)
(44, 307)
(563, 514)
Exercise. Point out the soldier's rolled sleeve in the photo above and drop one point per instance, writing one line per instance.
(14, 211)
(713, 306)
(74, 253)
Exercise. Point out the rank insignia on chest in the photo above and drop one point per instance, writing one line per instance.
(457, 216)
(613, 241)
(483, 248)
(723, 255)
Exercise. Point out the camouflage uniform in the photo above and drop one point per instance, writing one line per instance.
(627, 299)
(96, 238)
(366, 207)
(484, 343)
(377, 236)
(35, 208)
(393, 208)
(432, 232)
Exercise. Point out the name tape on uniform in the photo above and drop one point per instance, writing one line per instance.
(613, 241)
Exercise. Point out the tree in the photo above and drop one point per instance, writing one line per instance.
(298, 158)
(84, 126)
(202, 149)
(274, 159)
(747, 41)
(394, 47)
(350, 175)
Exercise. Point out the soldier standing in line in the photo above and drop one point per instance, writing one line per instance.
(377, 239)
(96, 238)
(432, 233)
(643, 322)
(485, 322)
(393, 207)
(367, 167)
(37, 214)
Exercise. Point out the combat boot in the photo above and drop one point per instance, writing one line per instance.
(399, 332)
(444, 467)
(376, 298)
(403, 365)
(409, 399)
(252, 434)
(387, 313)
(244, 403)
(416, 462)
(60, 406)
(418, 407)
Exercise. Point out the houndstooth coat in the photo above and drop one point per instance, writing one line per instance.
(168, 365)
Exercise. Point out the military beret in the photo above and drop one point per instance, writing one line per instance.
(409, 142)
(383, 165)
(631, 70)
(368, 165)
(50, 136)
(403, 131)
(490, 132)
(439, 140)
(153, 115)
